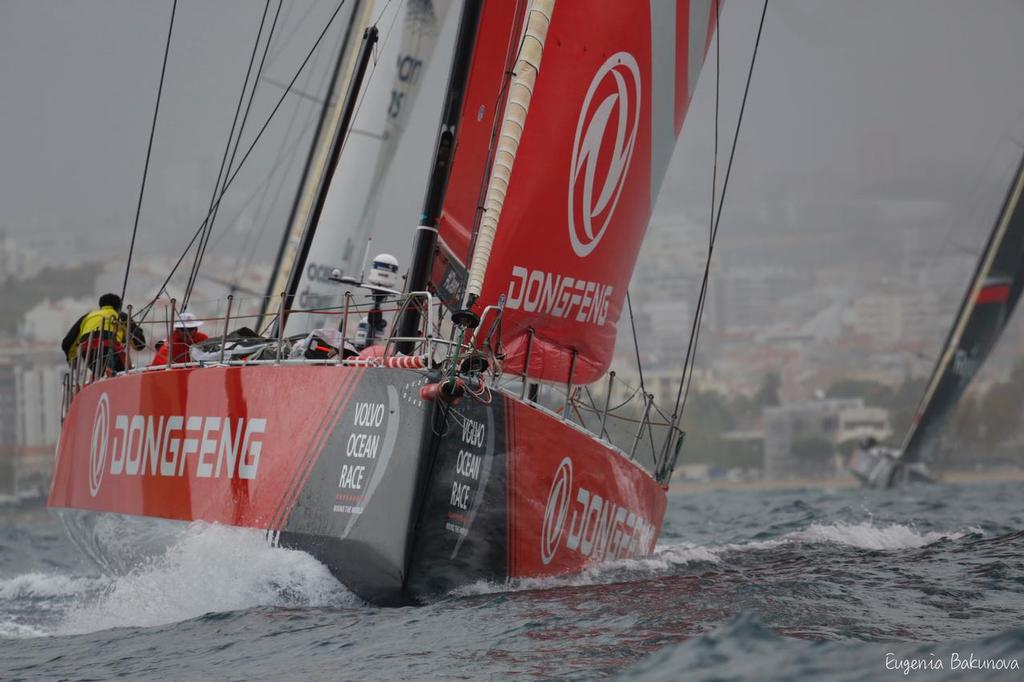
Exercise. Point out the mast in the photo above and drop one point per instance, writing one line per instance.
(370, 36)
(426, 232)
(313, 169)
(948, 381)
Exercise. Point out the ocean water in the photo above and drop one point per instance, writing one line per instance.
(924, 583)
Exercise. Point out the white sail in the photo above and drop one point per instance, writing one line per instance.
(410, 33)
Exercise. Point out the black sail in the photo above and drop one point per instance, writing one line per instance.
(984, 312)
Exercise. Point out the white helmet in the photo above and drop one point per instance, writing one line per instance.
(384, 272)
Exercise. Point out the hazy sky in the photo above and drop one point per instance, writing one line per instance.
(850, 102)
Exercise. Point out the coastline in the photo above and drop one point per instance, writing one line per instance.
(835, 482)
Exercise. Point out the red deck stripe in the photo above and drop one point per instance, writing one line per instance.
(310, 464)
(323, 432)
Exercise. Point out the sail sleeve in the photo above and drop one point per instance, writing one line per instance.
(607, 106)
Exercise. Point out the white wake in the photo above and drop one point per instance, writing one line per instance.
(210, 569)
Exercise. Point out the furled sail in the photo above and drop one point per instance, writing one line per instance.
(370, 152)
(607, 106)
(984, 313)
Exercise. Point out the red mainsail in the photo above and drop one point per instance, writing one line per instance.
(610, 99)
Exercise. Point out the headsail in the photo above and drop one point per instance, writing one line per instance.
(371, 149)
(610, 99)
(316, 166)
(986, 308)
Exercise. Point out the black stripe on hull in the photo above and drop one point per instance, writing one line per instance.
(407, 500)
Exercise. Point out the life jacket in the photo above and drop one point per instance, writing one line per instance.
(101, 327)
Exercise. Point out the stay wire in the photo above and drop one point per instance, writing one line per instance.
(241, 164)
(676, 410)
(695, 330)
(224, 163)
(252, 97)
(640, 368)
(283, 162)
(636, 344)
(149, 150)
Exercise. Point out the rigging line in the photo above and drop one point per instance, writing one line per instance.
(224, 158)
(382, 11)
(718, 81)
(721, 198)
(241, 130)
(286, 155)
(492, 145)
(284, 42)
(298, 93)
(265, 212)
(636, 344)
(381, 44)
(252, 97)
(266, 124)
(711, 218)
(284, 160)
(149, 150)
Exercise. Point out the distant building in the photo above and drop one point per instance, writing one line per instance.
(749, 297)
(800, 438)
(889, 319)
(16, 263)
(49, 321)
(30, 413)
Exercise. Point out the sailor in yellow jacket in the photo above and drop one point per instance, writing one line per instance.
(101, 334)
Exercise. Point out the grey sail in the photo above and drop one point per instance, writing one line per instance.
(409, 38)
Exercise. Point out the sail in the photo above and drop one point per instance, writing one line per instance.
(370, 152)
(984, 312)
(608, 104)
(316, 166)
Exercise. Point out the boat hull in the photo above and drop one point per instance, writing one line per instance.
(880, 467)
(402, 498)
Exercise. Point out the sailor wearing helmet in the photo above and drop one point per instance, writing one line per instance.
(186, 333)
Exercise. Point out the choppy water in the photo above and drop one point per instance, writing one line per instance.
(838, 585)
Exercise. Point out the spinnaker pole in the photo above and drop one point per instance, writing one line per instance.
(444, 151)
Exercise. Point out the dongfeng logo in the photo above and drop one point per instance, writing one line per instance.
(556, 511)
(605, 138)
(98, 446)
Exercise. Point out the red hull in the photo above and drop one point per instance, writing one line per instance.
(398, 496)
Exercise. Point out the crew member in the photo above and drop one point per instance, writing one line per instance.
(100, 334)
(382, 282)
(186, 332)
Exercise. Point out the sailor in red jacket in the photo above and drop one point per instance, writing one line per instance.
(186, 332)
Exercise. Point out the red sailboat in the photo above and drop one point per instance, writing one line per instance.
(439, 457)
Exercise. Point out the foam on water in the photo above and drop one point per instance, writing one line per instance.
(211, 569)
(864, 535)
(868, 536)
(46, 585)
(14, 630)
